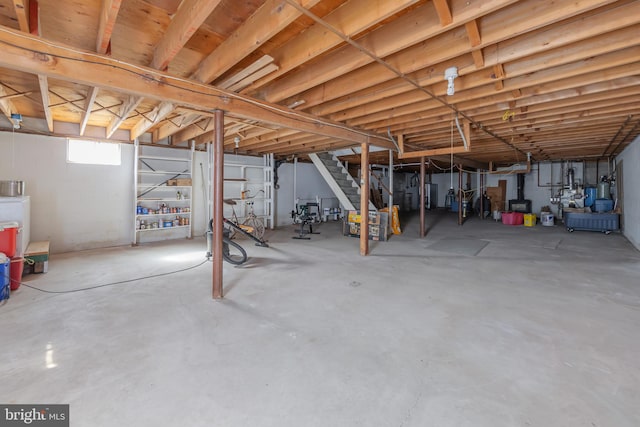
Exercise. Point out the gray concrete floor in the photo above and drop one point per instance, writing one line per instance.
(479, 325)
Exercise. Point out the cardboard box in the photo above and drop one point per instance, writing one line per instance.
(183, 182)
(353, 217)
(494, 193)
(497, 205)
(172, 182)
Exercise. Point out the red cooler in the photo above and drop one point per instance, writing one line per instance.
(8, 233)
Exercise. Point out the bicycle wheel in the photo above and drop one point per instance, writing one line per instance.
(233, 253)
(257, 225)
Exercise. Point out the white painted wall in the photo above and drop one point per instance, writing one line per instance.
(630, 158)
(309, 185)
(73, 206)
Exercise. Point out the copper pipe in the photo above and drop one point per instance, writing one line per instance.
(422, 196)
(364, 199)
(217, 181)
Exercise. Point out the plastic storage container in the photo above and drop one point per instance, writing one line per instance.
(591, 193)
(8, 233)
(512, 218)
(17, 268)
(603, 205)
(4, 277)
(604, 222)
(530, 220)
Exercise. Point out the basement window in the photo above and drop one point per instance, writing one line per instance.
(93, 153)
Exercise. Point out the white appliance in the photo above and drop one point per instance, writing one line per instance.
(18, 209)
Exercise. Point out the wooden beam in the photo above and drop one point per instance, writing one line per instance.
(159, 112)
(217, 216)
(353, 17)
(6, 105)
(60, 62)
(88, 106)
(108, 15)
(189, 17)
(44, 92)
(172, 126)
(15, 95)
(22, 12)
(431, 152)
(478, 58)
(473, 32)
(271, 18)
(129, 105)
(443, 11)
(498, 75)
(466, 129)
(391, 38)
(364, 199)
(193, 131)
(251, 69)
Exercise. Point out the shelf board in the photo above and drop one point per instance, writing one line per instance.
(147, 172)
(164, 228)
(167, 214)
(171, 159)
(163, 187)
(162, 200)
(249, 199)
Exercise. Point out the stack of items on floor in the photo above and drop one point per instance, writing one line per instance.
(378, 225)
(599, 213)
(15, 249)
(10, 264)
(498, 197)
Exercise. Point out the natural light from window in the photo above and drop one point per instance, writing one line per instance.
(93, 153)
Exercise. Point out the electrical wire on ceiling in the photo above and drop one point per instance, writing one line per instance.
(397, 72)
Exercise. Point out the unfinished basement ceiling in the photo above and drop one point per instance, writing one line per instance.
(555, 79)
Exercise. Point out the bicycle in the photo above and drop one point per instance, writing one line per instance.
(252, 223)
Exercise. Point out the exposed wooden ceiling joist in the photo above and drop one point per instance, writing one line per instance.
(58, 62)
(271, 18)
(539, 77)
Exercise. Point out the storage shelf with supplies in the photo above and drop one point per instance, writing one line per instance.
(173, 227)
(163, 193)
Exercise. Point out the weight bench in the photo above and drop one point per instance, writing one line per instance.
(303, 216)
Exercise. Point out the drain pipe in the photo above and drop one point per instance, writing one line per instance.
(464, 139)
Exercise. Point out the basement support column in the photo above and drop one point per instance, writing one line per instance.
(422, 196)
(390, 205)
(364, 199)
(481, 193)
(217, 188)
(460, 194)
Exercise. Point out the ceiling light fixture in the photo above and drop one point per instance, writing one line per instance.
(16, 119)
(450, 74)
